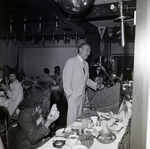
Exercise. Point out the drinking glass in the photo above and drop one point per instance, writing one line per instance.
(84, 124)
(94, 119)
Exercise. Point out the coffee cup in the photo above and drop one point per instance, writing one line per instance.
(73, 139)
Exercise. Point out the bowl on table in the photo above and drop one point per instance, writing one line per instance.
(106, 137)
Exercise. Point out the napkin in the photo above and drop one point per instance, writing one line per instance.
(125, 107)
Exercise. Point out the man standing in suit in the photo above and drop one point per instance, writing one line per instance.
(75, 79)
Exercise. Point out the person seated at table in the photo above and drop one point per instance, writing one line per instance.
(14, 92)
(6, 70)
(58, 75)
(35, 117)
(99, 79)
(127, 73)
(1, 79)
(46, 77)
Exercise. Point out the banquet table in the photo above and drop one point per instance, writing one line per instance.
(117, 144)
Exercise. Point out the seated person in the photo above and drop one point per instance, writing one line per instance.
(46, 77)
(90, 92)
(1, 79)
(14, 92)
(35, 117)
(99, 80)
(58, 75)
(6, 70)
(2, 94)
(127, 74)
(93, 69)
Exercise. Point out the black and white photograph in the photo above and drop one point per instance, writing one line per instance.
(74, 74)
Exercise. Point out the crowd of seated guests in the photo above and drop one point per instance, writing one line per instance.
(25, 102)
(36, 101)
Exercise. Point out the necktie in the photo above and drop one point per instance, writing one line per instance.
(83, 66)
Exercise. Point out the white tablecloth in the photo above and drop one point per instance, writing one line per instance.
(96, 144)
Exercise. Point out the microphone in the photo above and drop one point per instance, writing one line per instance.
(104, 70)
(102, 67)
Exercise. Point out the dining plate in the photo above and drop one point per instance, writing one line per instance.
(79, 147)
(106, 137)
(62, 133)
(68, 144)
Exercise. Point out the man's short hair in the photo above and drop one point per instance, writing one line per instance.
(57, 68)
(46, 70)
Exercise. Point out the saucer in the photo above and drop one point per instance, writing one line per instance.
(79, 147)
(67, 143)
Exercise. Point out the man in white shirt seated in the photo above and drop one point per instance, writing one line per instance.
(46, 77)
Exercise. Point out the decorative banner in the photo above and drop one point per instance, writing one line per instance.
(110, 31)
(101, 31)
(102, 46)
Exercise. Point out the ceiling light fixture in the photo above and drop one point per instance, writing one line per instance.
(25, 26)
(75, 6)
(40, 24)
(11, 24)
(113, 8)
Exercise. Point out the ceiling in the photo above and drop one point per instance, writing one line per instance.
(27, 19)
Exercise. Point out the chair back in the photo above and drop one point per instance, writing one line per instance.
(3, 114)
(3, 124)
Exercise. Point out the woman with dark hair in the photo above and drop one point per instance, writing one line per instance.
(35, 117)
(14, 92)
(6, 70)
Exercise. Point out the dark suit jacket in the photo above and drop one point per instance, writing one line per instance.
(29, 135)
(2, 82)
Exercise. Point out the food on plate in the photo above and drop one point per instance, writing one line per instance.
(114, 125)
(66, 133)
(107, 138)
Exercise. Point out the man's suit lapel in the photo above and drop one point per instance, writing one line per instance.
(81, 68)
